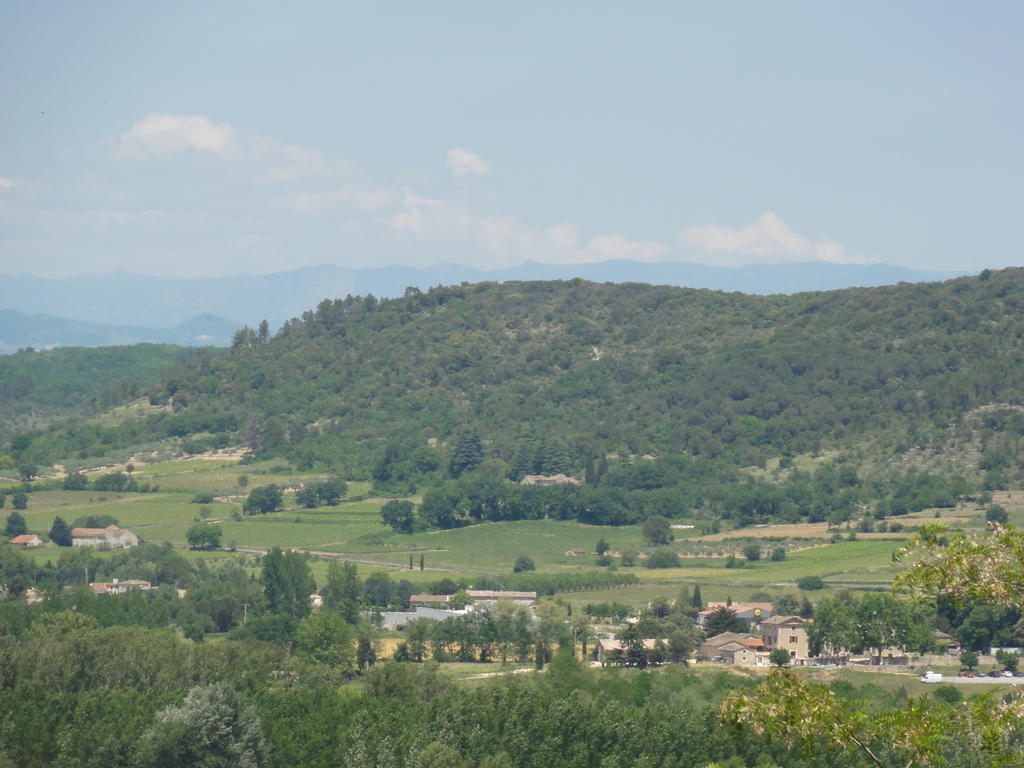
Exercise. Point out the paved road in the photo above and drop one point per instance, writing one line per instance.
(982, 680)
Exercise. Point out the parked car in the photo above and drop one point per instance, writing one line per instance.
(931, 677)
(966, 674)
(993, 673)
(1007, 673)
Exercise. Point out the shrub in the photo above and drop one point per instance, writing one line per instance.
(948, 694)
(810, 582)
(523, 563)
(778, 554)
(996, 514)
(663, 558)
(629, 557)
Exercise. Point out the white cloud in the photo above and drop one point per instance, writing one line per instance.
(5, 184)
(563, 235)
(159, 132)
(423, 217)
(463, 163)
(767, 238)
(261, 159)
(351, 196)
(616, 246)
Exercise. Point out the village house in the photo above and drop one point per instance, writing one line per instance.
(110, 537)
(27, 540)
(789, 633)
(575, 552)
(738, 648)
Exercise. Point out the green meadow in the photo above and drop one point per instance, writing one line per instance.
(352, 530)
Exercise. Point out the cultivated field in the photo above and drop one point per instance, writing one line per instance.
(352, 530)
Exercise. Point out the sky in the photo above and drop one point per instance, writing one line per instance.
(196, 139)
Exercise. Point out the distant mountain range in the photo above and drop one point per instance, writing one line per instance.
(123, 308)
(18, 331)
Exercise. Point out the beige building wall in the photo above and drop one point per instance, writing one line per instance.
(790, 636)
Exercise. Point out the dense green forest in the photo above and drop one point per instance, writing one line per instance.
(457, 389)
(39, 388)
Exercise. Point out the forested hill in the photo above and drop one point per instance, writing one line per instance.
(40, 388)
(585, 369)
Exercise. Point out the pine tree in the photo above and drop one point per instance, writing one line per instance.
(556, 457)
(421, 562)
(698, 602)
(524, 456)
(468, 454)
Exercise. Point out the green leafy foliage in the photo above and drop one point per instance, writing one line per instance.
(264, 500)
(204, 536)
(523, 563)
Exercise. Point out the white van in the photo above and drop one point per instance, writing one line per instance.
(931, 677)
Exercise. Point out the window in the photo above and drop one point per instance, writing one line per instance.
(793, 639)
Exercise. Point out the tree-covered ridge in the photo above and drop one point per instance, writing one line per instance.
(588, 369)
(37, 388)
(621, 367)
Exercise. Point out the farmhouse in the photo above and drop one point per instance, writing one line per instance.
(27, 540)
(738, 648)
(110, 537)
(788, 632)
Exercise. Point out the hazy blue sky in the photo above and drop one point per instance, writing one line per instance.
(208, 138)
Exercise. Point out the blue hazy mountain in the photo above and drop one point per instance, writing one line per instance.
(18, 330)
(145, 303)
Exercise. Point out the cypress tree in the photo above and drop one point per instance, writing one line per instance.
(60, 532)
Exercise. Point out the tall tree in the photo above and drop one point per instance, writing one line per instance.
(60, 532)
(724, 619)
(287, 582)
(263, 501)
(212, 728)
(399, 514)
(468, 453)
(343, 590)
(326, 639)
(657, 530)
(16, 525)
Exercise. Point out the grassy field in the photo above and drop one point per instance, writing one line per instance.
(352, 530)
